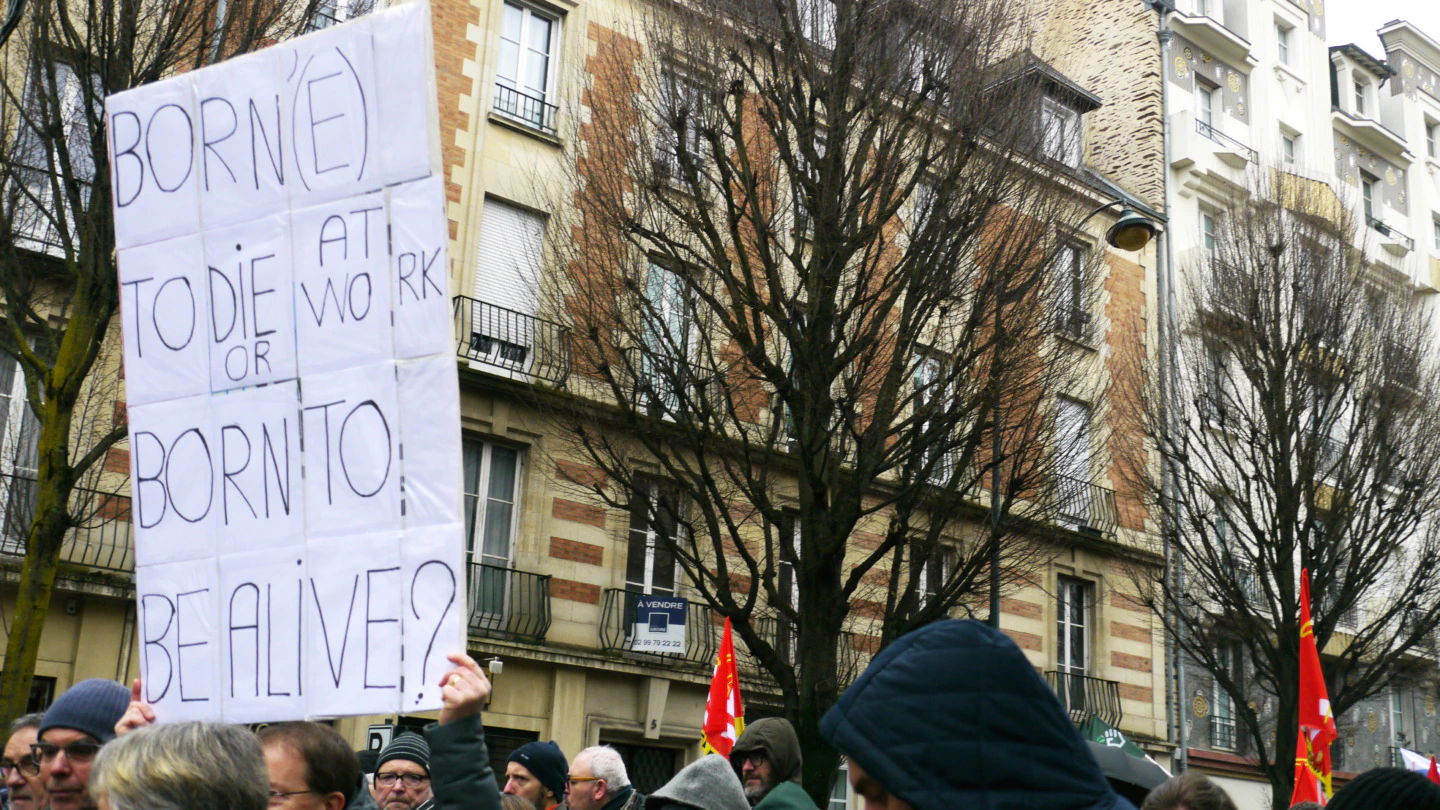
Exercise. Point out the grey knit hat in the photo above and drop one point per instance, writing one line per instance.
(708, 783)
(408, 746)
(92, 706)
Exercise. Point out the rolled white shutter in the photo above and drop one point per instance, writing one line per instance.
(507, 269)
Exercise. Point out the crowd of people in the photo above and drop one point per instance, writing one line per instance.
(949, 717)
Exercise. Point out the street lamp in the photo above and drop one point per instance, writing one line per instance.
(1133, 231)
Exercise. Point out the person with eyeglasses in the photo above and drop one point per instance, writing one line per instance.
(767, 760)
(402, 774)
(75, 726)
(598, 781)
(21, 771)
(311, 767)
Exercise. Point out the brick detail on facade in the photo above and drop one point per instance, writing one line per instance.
(866, 609)
(113, 507)
(1125, 601)
(865, 643)
(1129, 691)
(582, 474)
(117, 460)
(120, 417)
(866, 541)
(1026, 641)
(575, 551)
(1125, 312)
(572, 591)
(579, 512)
(1021, 608)
(452, 21)
(1139, 663)
(1130, 632)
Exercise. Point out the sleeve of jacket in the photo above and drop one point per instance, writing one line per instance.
(460, 772)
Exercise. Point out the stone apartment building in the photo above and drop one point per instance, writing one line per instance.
(554, 573)
(1252, 85)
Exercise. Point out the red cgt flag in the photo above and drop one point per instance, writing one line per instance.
(724, 713)
(1317, 722)
(1434, 775)
(1307, 781)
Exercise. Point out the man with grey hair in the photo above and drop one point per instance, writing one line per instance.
(598, 782)
(180, 766)
(18, 766)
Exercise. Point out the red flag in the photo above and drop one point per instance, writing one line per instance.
(1307, 781)
(724, 714)
(1317, 722)
(1434, 775)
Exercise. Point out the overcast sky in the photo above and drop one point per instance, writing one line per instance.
(1357, 21)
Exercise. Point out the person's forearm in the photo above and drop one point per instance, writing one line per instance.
(462, 778)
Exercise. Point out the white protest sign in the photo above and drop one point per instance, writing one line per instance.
(262, 609)
(177, 607)
(251, 316)
(162, 303)
(293, 388)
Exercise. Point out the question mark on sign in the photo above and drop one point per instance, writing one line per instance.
(439, 620)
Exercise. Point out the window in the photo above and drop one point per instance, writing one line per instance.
(38, 215)
(669, 339)
(1289, 148)
(1061, 135)
(507, 276)
(1202, 7)
(19, 456)
(680, 101)
(817, 22)
(1399, 728)
(1072, 431)
(42, 694)
(787, 549)
(930, 581)
(1207, 231)
(1212, 386)
(650, 563)
(524, 77)
(491, 479)
(334, 12)
(926, 376)
(1222, 720)
(1359, 96)
(1432, 139)
(1205, 104)
(1282, 43)
(1367, 194)
(1072, 317)
(1435, 226)
(840, 794)
(1072, 641)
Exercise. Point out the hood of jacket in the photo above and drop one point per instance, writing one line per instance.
(954, 715)
(776, 737)
(707, 783)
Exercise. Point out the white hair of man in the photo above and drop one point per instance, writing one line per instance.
(605, 763)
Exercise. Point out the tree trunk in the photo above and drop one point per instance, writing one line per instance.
(37, 581)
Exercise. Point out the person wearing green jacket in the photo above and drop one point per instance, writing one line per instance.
(767, 760)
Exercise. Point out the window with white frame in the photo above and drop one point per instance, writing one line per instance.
(670, 336)
(934, 571)
(525, 72)
(499, 316)
(650, 562)
(1361, 88)
(931, 397)
(1222, 718)
(1432, 138)
(1072, 316)
(787, 553)
(1062, 137)
(1368, 186)
(1282, 42)
(38, 215)
(19, 458)
(1212, 385)
(1400, 731)
(1073, 604)
(680, 104)
(1435, 226)
(334, 12)
(840, 794)
(1209, 222)
(492, 490)
(1072, 465)
(1289, 148)
(1205, 102)
(817, 22)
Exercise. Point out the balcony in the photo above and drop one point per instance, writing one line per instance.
(536, 113)
(508, 604)
(1390, 238)
(1083, 696)
(1205, 158)
(850, 659)
(1231, 152)
(1090, 507)
(103, 541)
(512, 344)
(34, 211)
(617, 618)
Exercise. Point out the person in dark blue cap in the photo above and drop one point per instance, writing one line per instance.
(74, 728)
(953, 716)
(537, 772)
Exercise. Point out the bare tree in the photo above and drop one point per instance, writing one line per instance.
(1301, 434)
(57, 243)
(810, 257)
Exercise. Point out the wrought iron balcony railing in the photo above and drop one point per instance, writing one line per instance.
(1083, 695)
(1209, 131)
(103, 540)
(1090, 506)
(511, 341)
(527, 109)
(784, 638)
(508, 604)
(34, 212)
(1388, 232)
(617, 622)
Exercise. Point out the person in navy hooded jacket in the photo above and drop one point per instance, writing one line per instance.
(954, 717)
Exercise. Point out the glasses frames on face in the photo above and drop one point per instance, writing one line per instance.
(411, 780)
(755, 759)
(27, 766)
(80, 751)
(575, 779)
(278, 797)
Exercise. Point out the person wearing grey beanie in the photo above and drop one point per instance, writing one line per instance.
(402, 773)
(708, 783)
(75, 726)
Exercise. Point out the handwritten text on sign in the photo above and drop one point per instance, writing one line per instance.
(293, 397)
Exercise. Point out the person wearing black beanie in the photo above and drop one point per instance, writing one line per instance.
(402, 773)
(1387, 789)
(538, 773)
